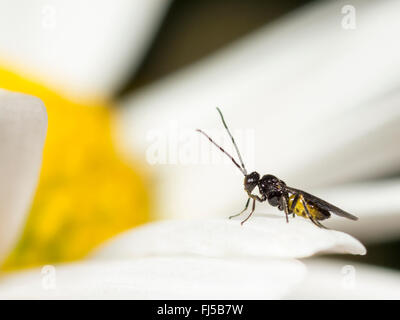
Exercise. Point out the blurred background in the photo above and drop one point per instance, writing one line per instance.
(309, 87)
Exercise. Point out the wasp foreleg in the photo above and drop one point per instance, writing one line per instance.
(252, 210)
(245, 208)
(256, 197)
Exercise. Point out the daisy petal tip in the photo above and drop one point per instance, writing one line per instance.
(266, 236)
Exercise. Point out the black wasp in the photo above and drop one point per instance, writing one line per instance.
(290, 200)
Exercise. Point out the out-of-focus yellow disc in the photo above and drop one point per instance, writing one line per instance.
(86, 193)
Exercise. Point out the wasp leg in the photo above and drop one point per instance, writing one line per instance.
(294, 203)
(316, 222)
(284, 203)
(256, 197)
(252, 210)
(245, 208)
(319, 224)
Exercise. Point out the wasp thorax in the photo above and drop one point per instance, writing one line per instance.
(251, 181)
(272, 188)
(270, 184)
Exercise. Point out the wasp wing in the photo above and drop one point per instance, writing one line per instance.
(322, 203)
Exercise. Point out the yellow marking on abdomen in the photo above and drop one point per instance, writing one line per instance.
(300, 211)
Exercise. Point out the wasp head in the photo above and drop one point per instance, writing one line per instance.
(251, 181)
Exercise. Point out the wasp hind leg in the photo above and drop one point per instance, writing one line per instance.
(245, 208)
(316, 222)
(252, 210)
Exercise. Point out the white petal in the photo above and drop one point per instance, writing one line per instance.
(23, 124)
(158, 278)
(330, 279)
(87, 49)
(268, 236)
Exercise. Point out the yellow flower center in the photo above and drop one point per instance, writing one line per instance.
(86, 192)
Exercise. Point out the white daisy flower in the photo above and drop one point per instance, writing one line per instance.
(310, 101)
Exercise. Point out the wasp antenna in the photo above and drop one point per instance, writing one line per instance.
(233, 160)
(233, 141)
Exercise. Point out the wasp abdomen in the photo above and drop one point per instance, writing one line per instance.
(316, 213)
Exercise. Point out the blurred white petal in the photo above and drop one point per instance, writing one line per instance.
(321, 101)
(87, 48)
(354, 145)
(23, 124)
(330, 279)
(158, 278)
(267, 236)
(377, 204)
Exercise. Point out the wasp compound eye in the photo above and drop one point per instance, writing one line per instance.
(252, 177)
